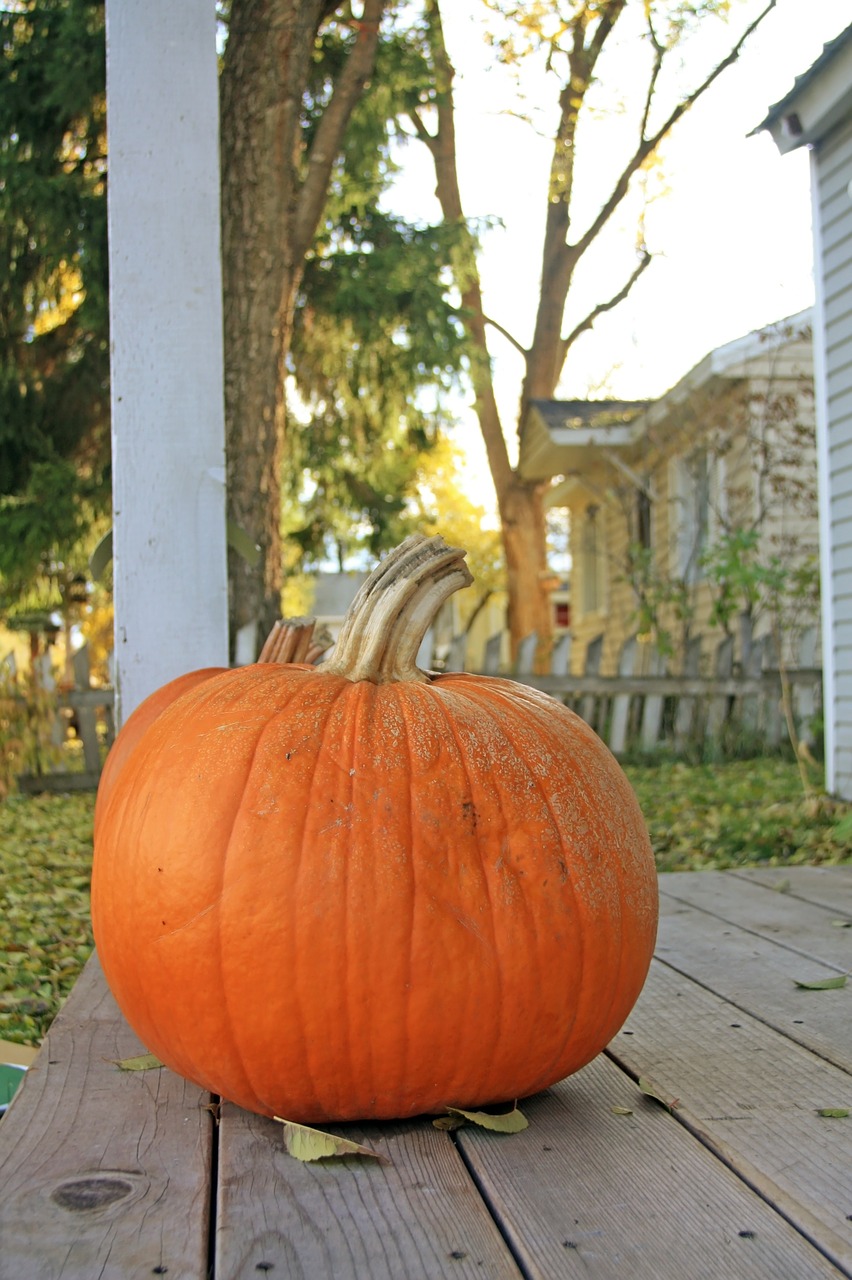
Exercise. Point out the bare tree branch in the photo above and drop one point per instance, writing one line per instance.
(330, 130)
(442, 146)
(495, 324)
(567, 342)
(648, 145)
(422, 132)
(659, 54)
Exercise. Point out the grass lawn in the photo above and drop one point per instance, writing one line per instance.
(699, 816)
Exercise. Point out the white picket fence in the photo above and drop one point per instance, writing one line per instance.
(723, 689)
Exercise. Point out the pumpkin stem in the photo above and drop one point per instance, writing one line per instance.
(391, 613)
(295, 640)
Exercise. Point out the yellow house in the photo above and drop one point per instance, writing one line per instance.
(681, 510)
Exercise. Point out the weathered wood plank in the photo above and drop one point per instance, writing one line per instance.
(829, 887)
(801, 926)
(102, 1172)
(758, 976)
(753, 1096)
(587, 1192)
(418, 1216)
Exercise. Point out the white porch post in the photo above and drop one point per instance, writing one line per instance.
(168, 434)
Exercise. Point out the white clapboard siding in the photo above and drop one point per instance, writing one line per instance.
(168, 437)
(831, 168)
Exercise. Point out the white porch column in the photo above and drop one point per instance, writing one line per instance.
(168, 432)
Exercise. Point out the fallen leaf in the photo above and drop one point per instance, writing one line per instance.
(449, 1123)
(621, 1111)
(834, 1113)
(823, 984)
(842, 924)
(652, 1091)
(144, 1062)
(782, 886)
(304, 1143)
(508, 1122)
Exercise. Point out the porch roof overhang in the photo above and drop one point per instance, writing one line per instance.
(818, 100)
(561, 436)
(568, 440)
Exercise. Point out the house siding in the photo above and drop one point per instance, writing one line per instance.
(831, 175)
(728, 418)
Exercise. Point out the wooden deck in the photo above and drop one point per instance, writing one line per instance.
(120, 1175)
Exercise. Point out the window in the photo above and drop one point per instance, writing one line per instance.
(642, 520)
(696, 486)
(561, 614)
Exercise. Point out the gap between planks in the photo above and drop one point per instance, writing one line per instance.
(812, 1229)
(752, 1097)
(756, 968)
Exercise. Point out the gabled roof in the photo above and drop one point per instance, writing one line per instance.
(818, 100)
(562, 436)
(588, 413)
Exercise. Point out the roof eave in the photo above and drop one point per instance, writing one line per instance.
(819, 99)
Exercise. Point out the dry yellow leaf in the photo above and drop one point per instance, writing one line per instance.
(304, 1143)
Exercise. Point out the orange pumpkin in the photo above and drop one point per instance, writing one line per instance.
(290, 640)
(360, 891)
(136, 724)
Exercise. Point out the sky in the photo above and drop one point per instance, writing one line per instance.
(731, 231)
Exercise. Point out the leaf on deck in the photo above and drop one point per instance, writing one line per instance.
(513, 1121)
(449, 1123)
(621, 1111)
(306, 1144)
(143, 1062)
(653, 1091)
(834, 1113)
(823, 984)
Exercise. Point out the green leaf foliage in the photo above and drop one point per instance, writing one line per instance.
(377, 345)
(378, 339)
(54, 342)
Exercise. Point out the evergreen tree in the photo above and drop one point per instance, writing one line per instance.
(54, 346)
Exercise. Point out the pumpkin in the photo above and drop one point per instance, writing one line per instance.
(362, 891)
(136, 724)
(290, 640)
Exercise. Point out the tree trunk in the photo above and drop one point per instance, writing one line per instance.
(261, 88)
(273, 194)
(519, 502)
(525, 547)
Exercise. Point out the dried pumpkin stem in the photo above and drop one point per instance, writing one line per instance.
(392, 611)
(288, 641)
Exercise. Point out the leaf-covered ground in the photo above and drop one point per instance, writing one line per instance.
(720, 815)
(738, 814)
(45, 933)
